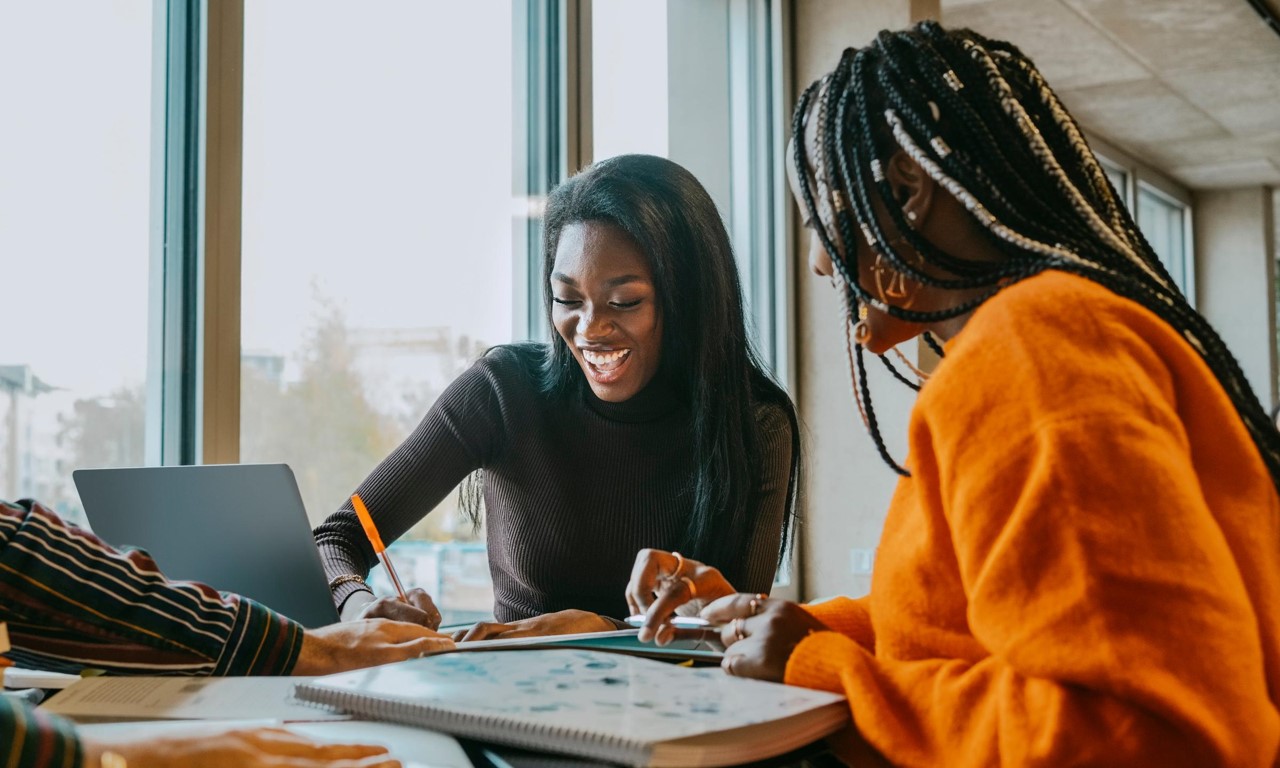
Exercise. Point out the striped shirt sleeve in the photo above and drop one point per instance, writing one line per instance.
(72, 601)
(30, 738)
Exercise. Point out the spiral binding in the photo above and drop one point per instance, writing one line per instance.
(495, 728)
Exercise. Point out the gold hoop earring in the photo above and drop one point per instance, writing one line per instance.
(862, 330)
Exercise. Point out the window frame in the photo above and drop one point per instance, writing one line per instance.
(195, 361)
(194, 345)
(174, 332)
(1145, 186)
(1141, 176)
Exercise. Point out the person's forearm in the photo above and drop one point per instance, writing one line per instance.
(33, 739)
(140, 622)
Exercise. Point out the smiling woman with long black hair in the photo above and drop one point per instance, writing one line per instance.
(646, 422)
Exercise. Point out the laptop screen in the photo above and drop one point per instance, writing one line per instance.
(236, 527)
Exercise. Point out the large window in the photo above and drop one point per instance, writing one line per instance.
(703, 84)
(1161, 211)
(75, 213)
(346, 210)
(1164, 223)
(1119, 178)
(378, 248)
(629, 95)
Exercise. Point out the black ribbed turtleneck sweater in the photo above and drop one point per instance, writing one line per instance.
(574, 487)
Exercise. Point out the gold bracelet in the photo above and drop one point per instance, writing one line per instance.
(347, 578)
(111, 759)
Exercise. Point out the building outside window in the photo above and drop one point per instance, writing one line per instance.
(75, 212)
(378, 219)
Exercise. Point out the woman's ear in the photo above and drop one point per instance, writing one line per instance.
(912, 187)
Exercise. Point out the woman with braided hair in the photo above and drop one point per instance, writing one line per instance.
(1081, 562)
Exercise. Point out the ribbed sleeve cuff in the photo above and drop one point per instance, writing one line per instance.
(338, 562)
(848, 617)
(262, 642)
(344, 591)
(818, 661)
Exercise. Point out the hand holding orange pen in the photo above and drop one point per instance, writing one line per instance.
(371, 530)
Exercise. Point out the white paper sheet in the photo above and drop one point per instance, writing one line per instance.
(185, 698)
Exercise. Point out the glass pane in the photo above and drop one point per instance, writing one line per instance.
(1119, 179)
(75, 149)
(377, 245)
(1162, 222)
(628, 78)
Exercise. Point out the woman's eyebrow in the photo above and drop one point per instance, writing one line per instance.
(612, 282)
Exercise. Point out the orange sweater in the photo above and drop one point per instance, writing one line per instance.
(1083, 569)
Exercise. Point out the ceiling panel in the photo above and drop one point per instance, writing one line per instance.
(1181, 35)
(1190, 86)
(1174, 154)
(1240, 98)
(1245, 173)
(1146, 110)
(1069, 51)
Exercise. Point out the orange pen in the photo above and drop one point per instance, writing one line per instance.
(371, 531)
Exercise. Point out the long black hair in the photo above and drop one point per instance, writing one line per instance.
(707, 355)
(979, 118)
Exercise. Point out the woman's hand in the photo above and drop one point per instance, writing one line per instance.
(258, 748)
(357, 644)
(662, 582)
(558, 623)
(420, 608)
(759, 634)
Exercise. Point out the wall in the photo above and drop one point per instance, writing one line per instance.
(848, 486)
(1235, 278)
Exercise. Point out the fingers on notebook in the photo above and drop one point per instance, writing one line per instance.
(730, 607)
(425, 647)
(420, 599)
(403, 631)
(420, 610)
(671, 594)
(483, 630)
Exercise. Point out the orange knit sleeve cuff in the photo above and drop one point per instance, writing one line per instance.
(820, 660)
(849, 617)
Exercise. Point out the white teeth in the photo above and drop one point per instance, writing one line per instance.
(605, 358)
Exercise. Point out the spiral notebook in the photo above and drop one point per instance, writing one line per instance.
(611, 707)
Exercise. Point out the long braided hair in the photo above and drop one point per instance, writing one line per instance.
(979, 118)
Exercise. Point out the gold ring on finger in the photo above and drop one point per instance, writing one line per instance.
(739, 629)
(693, 589)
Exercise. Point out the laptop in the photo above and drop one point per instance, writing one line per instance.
(236, 527)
